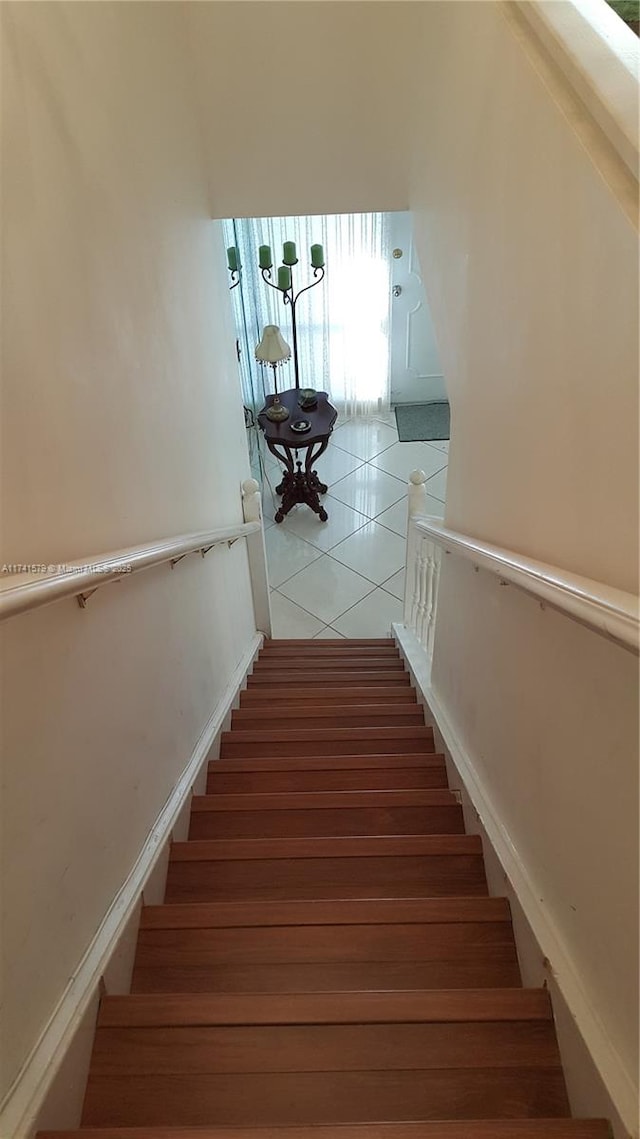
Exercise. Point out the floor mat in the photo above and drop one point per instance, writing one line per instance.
(423, 421)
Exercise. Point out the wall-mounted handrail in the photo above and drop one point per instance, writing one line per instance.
(39, 585)
(613, 613)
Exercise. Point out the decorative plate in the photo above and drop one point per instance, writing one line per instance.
(300, 426)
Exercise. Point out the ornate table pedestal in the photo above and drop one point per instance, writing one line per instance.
(300, 483)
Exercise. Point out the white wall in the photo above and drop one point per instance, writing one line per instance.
(122, 422)
(530, 265)
(315, 105)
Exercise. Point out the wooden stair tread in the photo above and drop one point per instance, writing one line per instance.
(321, 800)
(425, 777)
(351, 676)
(241, 743)
(341, 646)
(334, 712)
(331, 662)
(310, 641)
(247, 849)
(489, 969)
(357, 910)
(369, 761)
(420, 731)
(454, 1129)
(303, 696)
(433, 1006)
(244, 1098)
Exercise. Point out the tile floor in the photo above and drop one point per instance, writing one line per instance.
(345, 577)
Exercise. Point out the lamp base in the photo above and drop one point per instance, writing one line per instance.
(277, 413)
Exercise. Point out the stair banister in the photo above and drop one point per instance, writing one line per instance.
(613, 613)
(23, 588)
(257, 553)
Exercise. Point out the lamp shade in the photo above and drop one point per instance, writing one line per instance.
(272, 349)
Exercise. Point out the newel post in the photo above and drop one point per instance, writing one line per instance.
(416, 504)
(252, 510)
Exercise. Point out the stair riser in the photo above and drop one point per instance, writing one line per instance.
(335, 718)
(302, 697)
(269, 915)
(288, 642)
(301, 748)
(442, 1129)
(317, 680)
(329, 823)
(290, 781)
(483, 972)
(327, 1097)
(342, 944)
(281, 879)
(331, 664)
(322, 1048)
(336, 652)
(420, 761)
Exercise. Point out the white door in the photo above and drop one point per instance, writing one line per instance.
(416, 373)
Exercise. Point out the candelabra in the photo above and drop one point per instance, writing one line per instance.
(233, 261)
(284, 284)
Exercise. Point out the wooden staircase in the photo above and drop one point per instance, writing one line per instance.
(328, 963)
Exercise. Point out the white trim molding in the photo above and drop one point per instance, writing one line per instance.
(600, 57)
(618, 1081)
(24, 1100)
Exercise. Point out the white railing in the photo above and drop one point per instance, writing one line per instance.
(26, 587)
(612, 613)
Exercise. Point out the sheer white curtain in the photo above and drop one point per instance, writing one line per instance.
(343, 323)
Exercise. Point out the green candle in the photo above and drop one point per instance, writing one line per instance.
(266, 260)
(232, 258)
(284, 278)
(317, 256)
(289, 255)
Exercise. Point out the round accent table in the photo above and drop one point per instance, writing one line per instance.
(300, 483)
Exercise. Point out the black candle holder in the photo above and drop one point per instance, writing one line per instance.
(291, 298)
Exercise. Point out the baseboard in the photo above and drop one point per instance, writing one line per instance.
(560, 967)
(25, 1099)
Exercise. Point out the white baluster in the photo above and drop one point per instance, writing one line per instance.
(252, 510)
(433, 605)
(416, 505)
(424, 562)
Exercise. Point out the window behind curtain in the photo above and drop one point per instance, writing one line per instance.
(343, 323)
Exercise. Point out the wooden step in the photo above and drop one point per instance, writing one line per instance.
(436, 1007)
(456, 1041)
(327, 951)
(283, 642)
(320, 813)
(450, 1129)
(241, 1098)
(337, 779)
(374, 762)
(319, 679)
(318, 664)
(484, 970)
(299, 742)
(282, 869)
(358, 911)
(296, 697)
(323, 649)
(335, 715)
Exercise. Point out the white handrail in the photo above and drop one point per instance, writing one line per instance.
(39, 585)
(613, 613)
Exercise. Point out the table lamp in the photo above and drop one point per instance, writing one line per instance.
(274, 351)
